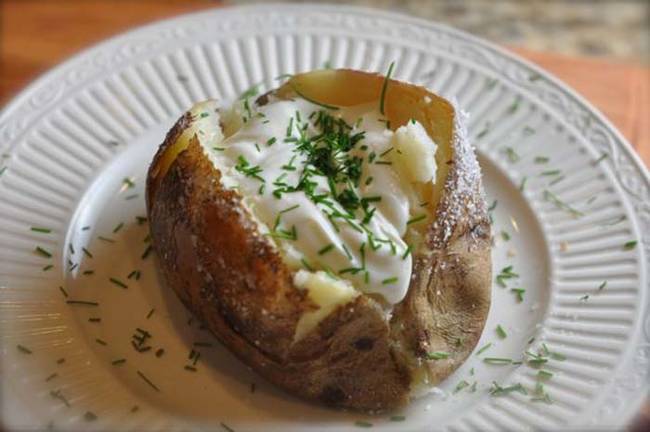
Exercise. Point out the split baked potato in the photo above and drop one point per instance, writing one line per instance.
(343, 337)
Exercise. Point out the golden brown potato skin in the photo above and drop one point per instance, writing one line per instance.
(210, 252)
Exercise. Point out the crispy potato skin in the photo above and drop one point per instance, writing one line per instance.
(210, 253)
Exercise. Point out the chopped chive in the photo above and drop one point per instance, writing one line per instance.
(118, 227)
(630, 245)
(88, 272)
(150, 313)
(363, 424)
(484, 348)
(160, 352)
(65, 293)
(542, 374)
(536, 360)
(218, 148)
(86, 228)
(148, 381)
(60, 361)
(497, 360)
(290, 208)
(416, 219)
(522, 185)
(106, 239)
(250, 92)
(128, 182)
(226, 427)
(553, 355)
(519, 293)
(461, 385)
(501, 332)
(271, 141)
(584, 297)
(391, 280)
(47, 267)
(118, 282)
(384, 87)
(24, 349)
(118, 362)
(515, 105)
(41, 230)
(347, 252)
(541, 159)
(379, 162)
(407, 252)
(493, 205)
(602, 286)
(600, 159)
(513, 157)
(497, 390)
(87, 252)
(306, 265)
(437, 355)
(51, 377)
(146, 252)
(505, 235)
(324, 105)
(556, 180)
(90, 416)
(82, 302)
(101, 342)
(326, 249)
(484, 132)
(190, 368)
(130, 197)
(94, 319)
(550, 172)
(57, 395)
(549, 196)
(43, 252)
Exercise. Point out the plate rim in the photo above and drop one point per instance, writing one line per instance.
(17, 100)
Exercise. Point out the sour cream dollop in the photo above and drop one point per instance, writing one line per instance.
(328, 189)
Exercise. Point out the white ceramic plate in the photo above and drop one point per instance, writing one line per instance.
(69, 141)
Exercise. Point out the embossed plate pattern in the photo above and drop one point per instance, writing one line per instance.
(570, 194)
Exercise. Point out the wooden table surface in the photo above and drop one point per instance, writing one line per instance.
(38, 34)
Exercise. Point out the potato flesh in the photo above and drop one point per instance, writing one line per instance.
(328, 293)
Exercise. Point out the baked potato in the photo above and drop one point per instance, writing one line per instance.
(340, 286)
